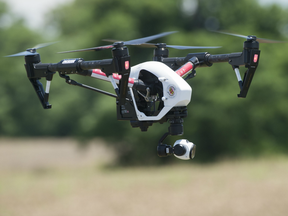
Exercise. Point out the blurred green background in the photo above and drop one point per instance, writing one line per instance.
(77, 159)
(220, 124)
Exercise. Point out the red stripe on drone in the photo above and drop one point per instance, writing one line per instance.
(115, 76)
(99, 72)
(185, 69)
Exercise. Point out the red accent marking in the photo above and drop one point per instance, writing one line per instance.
(255, 58)
(185, 69)
(99, 72)
(115, 76)
(127, 65)
(131, 81)
(118, 77)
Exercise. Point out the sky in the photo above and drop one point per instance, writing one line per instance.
(34, 11)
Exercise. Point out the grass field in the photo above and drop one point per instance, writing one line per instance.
(53, 177)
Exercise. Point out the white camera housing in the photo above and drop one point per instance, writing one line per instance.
(184, 150)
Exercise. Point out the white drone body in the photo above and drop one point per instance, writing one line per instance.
(176, 91)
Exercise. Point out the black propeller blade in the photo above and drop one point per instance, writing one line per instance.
(163, 45)
(192, 47)
(260, 40)
(146, 39)
(31, 51)
(131, 42)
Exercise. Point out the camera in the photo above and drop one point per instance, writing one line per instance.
(184, 150)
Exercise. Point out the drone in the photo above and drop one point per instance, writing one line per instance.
(151, 92)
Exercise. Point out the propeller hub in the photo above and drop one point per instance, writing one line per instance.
(160, 52)
(118, 44)
(32, 50)
(251, 44)
(161, 45)
(251, 38)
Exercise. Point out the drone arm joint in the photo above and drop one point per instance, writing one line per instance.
(188, 69)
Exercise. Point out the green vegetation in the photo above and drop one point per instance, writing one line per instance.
(220, 124)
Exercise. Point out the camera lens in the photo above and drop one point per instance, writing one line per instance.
(179, 150)
(193, 151)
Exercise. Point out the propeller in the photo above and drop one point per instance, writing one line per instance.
(250, 37)
(31, 51)
(163, 45)
(139, 41)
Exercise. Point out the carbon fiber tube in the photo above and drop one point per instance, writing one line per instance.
(218, 58)
(78, 66)
(86, 65)
(225, 58)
